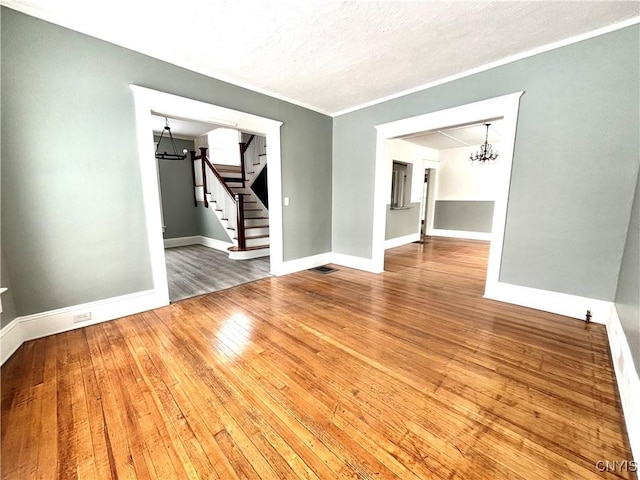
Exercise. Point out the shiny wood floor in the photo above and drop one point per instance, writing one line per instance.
(407, 374)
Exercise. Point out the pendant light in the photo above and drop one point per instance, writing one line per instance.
(168, 156)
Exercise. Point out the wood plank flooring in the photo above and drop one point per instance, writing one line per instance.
(407, 374)
(195, 270)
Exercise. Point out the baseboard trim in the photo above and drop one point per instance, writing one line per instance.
(181, 241)
(436, 232)
(358, 263)
(548, 301)
(10, 340)
(299, 264)
(214, 243)
(627, 379)
(30, 327)
(250, 254)
(399, 241)
(197, 240)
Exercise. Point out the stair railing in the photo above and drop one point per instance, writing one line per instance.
(230, 204)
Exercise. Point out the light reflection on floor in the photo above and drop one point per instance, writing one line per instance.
(234, 336)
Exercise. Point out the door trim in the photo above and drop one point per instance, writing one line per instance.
(505, 107)
(148, 101)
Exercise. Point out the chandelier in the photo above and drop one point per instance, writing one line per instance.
(169, 156)
(486, 153)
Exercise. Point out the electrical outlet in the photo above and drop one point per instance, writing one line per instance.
(82, 317)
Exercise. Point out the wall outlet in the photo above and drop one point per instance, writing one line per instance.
(82, 317)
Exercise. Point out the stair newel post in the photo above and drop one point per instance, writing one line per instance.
(242, 241)
(242, 167)
(203, 156)
(193, 176)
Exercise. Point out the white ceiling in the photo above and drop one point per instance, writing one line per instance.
(457, 137)
(330, 55)
(181, 128)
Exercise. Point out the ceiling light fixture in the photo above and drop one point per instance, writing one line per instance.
(486, 153)
(168, 156)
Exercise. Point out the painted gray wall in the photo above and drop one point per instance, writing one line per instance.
(628, 292)
(176, 186)
(181, 217)
(8, 306)
(464, 215)
(209, 225)
(576, 154)
(72, 210)
(402, 222)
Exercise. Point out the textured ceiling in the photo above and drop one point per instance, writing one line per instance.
(330, 55)
(456, 137)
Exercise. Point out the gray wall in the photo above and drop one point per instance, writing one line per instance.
(576, 155)
(8, 306)
(628, 293)
(176, 186)
(209, 225)
(181, 217)
(402, 222)
(72, 211)
(464, 215)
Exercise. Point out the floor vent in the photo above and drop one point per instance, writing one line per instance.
(323, 269)
(422, 241)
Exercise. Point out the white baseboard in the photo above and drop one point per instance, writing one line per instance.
(436, 232)
(628, 381)
(548, 301)
(10, 340)
(181, 241)
(197, 240)
(399, 241)
(350, 261)
(299, 264)
(249, 254)
(214, 243)
(29, 327)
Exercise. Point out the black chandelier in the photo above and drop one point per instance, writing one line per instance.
(169, 156)
(486, 153)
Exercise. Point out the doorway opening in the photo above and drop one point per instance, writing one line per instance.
(151, 102)
(202, 251)
(504, 108)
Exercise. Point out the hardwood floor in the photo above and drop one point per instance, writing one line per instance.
(406, 374)
(195, 270)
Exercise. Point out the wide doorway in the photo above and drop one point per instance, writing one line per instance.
(213, 191)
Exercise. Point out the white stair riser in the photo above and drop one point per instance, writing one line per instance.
(253, 213)
(251, 232)
(263, 252)
(251, 222)
(257, 242)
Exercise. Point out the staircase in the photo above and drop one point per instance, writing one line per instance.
(227, 189)
(256, 216)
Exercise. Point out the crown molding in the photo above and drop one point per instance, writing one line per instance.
(497, 63)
